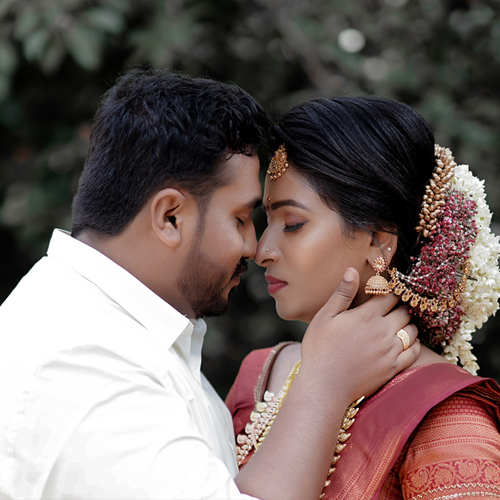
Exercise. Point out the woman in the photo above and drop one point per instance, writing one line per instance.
(357, 182)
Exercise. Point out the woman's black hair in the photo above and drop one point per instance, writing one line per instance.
(368, 159)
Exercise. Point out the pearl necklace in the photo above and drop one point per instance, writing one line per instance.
(264, 414)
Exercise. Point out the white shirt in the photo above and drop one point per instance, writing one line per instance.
(101, 394)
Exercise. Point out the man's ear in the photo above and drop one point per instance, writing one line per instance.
(169, 211)
(383, 243)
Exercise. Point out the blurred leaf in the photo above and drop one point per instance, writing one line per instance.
(123, 5)
(53, 55)
(13, 211)
(85, 46)
(26, 23)
(170, 31)
(481, 14)
(8, 58)
(103, 19)
(35, 43)
(5, 5)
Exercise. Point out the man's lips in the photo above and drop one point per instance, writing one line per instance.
(274, 284)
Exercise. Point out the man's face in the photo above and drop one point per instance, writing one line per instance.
(227, 237)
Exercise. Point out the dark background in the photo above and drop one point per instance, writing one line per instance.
(57, 57)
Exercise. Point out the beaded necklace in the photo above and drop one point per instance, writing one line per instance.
(264, 414)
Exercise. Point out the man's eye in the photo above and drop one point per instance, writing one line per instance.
(294, 227)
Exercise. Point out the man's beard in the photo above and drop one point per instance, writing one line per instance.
(203, 282)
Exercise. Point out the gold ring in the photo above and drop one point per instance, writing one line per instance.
(405, 338)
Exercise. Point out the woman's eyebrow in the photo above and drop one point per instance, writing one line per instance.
(287, 203)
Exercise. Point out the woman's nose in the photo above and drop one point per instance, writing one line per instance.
(266, 253)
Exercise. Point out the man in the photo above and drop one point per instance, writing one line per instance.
(100, 384)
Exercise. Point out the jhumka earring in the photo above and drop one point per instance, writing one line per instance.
(377, 285)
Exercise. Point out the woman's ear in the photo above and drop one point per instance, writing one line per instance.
(169, 209)
(383, 243)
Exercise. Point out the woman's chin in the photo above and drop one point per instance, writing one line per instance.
(294, 314)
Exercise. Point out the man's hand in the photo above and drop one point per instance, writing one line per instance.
(345, 354)
(358, 348)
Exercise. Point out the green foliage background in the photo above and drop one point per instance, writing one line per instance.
(57, 57)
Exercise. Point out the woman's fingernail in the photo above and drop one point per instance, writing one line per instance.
(348, 275)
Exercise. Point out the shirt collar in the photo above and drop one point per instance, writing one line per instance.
(189, 345)
(151, 311)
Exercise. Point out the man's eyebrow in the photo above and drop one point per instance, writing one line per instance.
(287, 203)
(255, 203)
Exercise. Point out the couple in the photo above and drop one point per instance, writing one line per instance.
(100, 384)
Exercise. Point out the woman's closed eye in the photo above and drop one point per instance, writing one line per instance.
(289, 228)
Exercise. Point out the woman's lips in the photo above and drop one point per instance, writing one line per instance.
(274, 284)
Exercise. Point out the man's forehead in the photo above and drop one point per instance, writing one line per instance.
(242, 175)
(241, 164)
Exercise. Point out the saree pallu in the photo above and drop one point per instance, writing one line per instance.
(431, 433)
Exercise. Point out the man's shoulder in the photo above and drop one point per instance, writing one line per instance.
(53, 296)
(54, 310)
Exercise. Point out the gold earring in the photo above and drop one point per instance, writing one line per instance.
(377, 285)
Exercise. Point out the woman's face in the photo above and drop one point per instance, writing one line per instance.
(305, 250)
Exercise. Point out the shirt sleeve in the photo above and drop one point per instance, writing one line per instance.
(122, 434)
(455, 451)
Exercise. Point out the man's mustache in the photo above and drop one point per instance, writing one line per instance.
(241, 268)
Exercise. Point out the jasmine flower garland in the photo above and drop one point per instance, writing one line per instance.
(480, 299)
(454, 282)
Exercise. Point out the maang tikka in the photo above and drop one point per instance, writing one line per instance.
(378, 285)
(279, 163)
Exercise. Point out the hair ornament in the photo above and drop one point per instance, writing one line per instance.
(279, 163)
(454, 283)
(435, 191)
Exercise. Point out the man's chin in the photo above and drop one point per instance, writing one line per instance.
(217, 306)
(213, 310)
(219, 303)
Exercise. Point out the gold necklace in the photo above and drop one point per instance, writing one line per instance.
(261, 419)
(281, 397)
(264, 414)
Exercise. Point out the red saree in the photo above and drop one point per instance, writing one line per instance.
(431, 433)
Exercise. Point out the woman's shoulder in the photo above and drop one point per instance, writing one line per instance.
(285, 360)
(270, 361)
(428, 357)
(457, 443)
(470, 412)
(254, 372)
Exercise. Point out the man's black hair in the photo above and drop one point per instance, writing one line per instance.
(156, 129)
